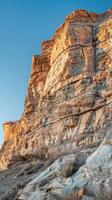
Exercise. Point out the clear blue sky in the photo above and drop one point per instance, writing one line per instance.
(23, 25)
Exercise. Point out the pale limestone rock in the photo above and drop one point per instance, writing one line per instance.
(94, 177)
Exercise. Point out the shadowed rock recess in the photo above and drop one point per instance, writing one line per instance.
(61, 148)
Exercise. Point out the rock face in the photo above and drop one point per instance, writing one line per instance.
(68, 109)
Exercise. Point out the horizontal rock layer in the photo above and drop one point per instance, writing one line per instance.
(68, 108)
(69, 96)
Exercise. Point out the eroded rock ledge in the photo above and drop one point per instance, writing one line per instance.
(68, 106)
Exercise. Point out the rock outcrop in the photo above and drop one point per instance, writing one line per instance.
(68, 111)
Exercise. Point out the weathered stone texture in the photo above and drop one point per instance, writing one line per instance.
(68, 104)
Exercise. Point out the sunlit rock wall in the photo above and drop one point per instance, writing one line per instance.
(69, 98)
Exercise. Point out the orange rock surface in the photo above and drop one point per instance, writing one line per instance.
(69, 100)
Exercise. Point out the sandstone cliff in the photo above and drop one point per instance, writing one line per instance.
(68, 111)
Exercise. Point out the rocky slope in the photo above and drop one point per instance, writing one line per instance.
(67, 116)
